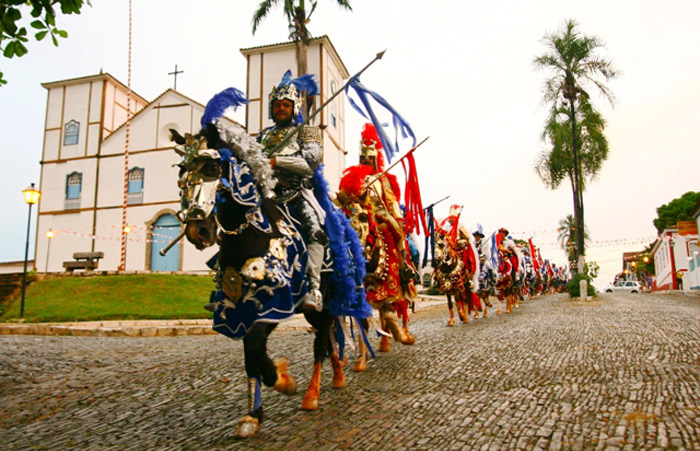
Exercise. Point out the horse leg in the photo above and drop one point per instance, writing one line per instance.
(384, 342)
(361, 362)
(461, 311)
(259, 368)
(410, 339)
(486, 305)
(451, 321)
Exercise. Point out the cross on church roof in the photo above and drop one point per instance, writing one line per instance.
(175, 74)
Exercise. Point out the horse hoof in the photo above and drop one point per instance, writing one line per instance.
(339, 381)
(309, 403)
(498, 312)
(360, 366)
(285, 382)
(409, 340)
(247, 427)
(451, 322)
(384, 344)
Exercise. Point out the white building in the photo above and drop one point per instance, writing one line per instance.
(266, 65)
(671, 254)
(691, 281)
(83, 161)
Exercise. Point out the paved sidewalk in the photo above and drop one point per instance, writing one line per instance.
(158, 328)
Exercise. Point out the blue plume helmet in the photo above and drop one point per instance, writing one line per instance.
(217, 106)
(290, 88)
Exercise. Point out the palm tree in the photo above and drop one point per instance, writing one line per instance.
(297, 17)
(567, 237)
(574, 127)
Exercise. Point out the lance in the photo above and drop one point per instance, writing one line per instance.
(435, 203)
(288, 137)
(165, 250)
(378, 176)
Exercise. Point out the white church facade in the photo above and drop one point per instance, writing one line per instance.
(83, 161)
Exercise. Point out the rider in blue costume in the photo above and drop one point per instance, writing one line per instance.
(294, 165)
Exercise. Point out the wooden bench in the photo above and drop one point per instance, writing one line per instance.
(84, 260)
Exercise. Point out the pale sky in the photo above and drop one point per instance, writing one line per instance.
(460, 72)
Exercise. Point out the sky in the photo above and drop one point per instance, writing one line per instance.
(460, 72)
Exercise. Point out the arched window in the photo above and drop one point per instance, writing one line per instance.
(135, 188)
(71, 133)
(74, 182)
(136, 180)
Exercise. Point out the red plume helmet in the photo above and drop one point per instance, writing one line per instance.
(371, 147)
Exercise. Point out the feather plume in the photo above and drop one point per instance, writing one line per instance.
(217, 106)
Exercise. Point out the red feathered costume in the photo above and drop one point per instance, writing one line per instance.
(383, 235)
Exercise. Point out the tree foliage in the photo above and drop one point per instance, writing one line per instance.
(567, 237)
(14, 33)
(679, 209)
(298, 14)
(573, 132)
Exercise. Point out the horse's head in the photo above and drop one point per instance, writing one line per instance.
(200, 170)
(445, 257)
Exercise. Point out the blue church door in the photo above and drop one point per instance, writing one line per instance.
(165, 230)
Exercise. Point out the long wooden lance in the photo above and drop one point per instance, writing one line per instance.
(288, 137)
(378, 176)
(435, 203)
(165, 250)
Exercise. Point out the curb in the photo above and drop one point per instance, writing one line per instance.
(157, 328)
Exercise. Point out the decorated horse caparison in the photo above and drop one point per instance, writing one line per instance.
(451, 276)
(228, 199)
(370, 198)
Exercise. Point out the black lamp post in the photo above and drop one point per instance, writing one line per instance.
(31, 196)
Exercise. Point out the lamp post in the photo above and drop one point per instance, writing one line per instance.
(31, 196)
(127, 231)
(49, 234)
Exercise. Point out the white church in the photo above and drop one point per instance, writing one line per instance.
(83, 160)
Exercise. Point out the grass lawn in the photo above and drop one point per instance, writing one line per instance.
(141, 296)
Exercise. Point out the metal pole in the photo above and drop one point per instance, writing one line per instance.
(48, 250)
(26, 256)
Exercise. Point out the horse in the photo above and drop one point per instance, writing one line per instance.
(487, 287)
(506, 284)
(378, 247)
(451, 276)
(226, 195)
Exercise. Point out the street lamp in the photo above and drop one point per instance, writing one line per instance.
(31, 196)
(49, 234)
(127, 231)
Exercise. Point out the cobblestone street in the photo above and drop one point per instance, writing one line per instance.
(620, 372)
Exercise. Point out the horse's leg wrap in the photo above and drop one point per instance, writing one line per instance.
(392, 325)
(285, 382)
(249, 424)
(310, 401)
(314, 299)
(361, 362)
(338, 375)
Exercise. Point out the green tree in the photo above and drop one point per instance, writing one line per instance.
(574, 129)
(14, 34)
(297, 18)
(567, 237)
(679, 209)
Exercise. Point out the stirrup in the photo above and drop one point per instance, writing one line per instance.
(313, 300)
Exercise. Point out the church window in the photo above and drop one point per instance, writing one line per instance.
(71, 133)
(136, 180)
(135, 186)
(73, 184)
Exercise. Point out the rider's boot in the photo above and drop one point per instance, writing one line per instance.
(285, 382)
(313, 299)
(249, 424)
(310, 401)
(338, 375)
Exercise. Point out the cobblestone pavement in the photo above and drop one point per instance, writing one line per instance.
(620, 372)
